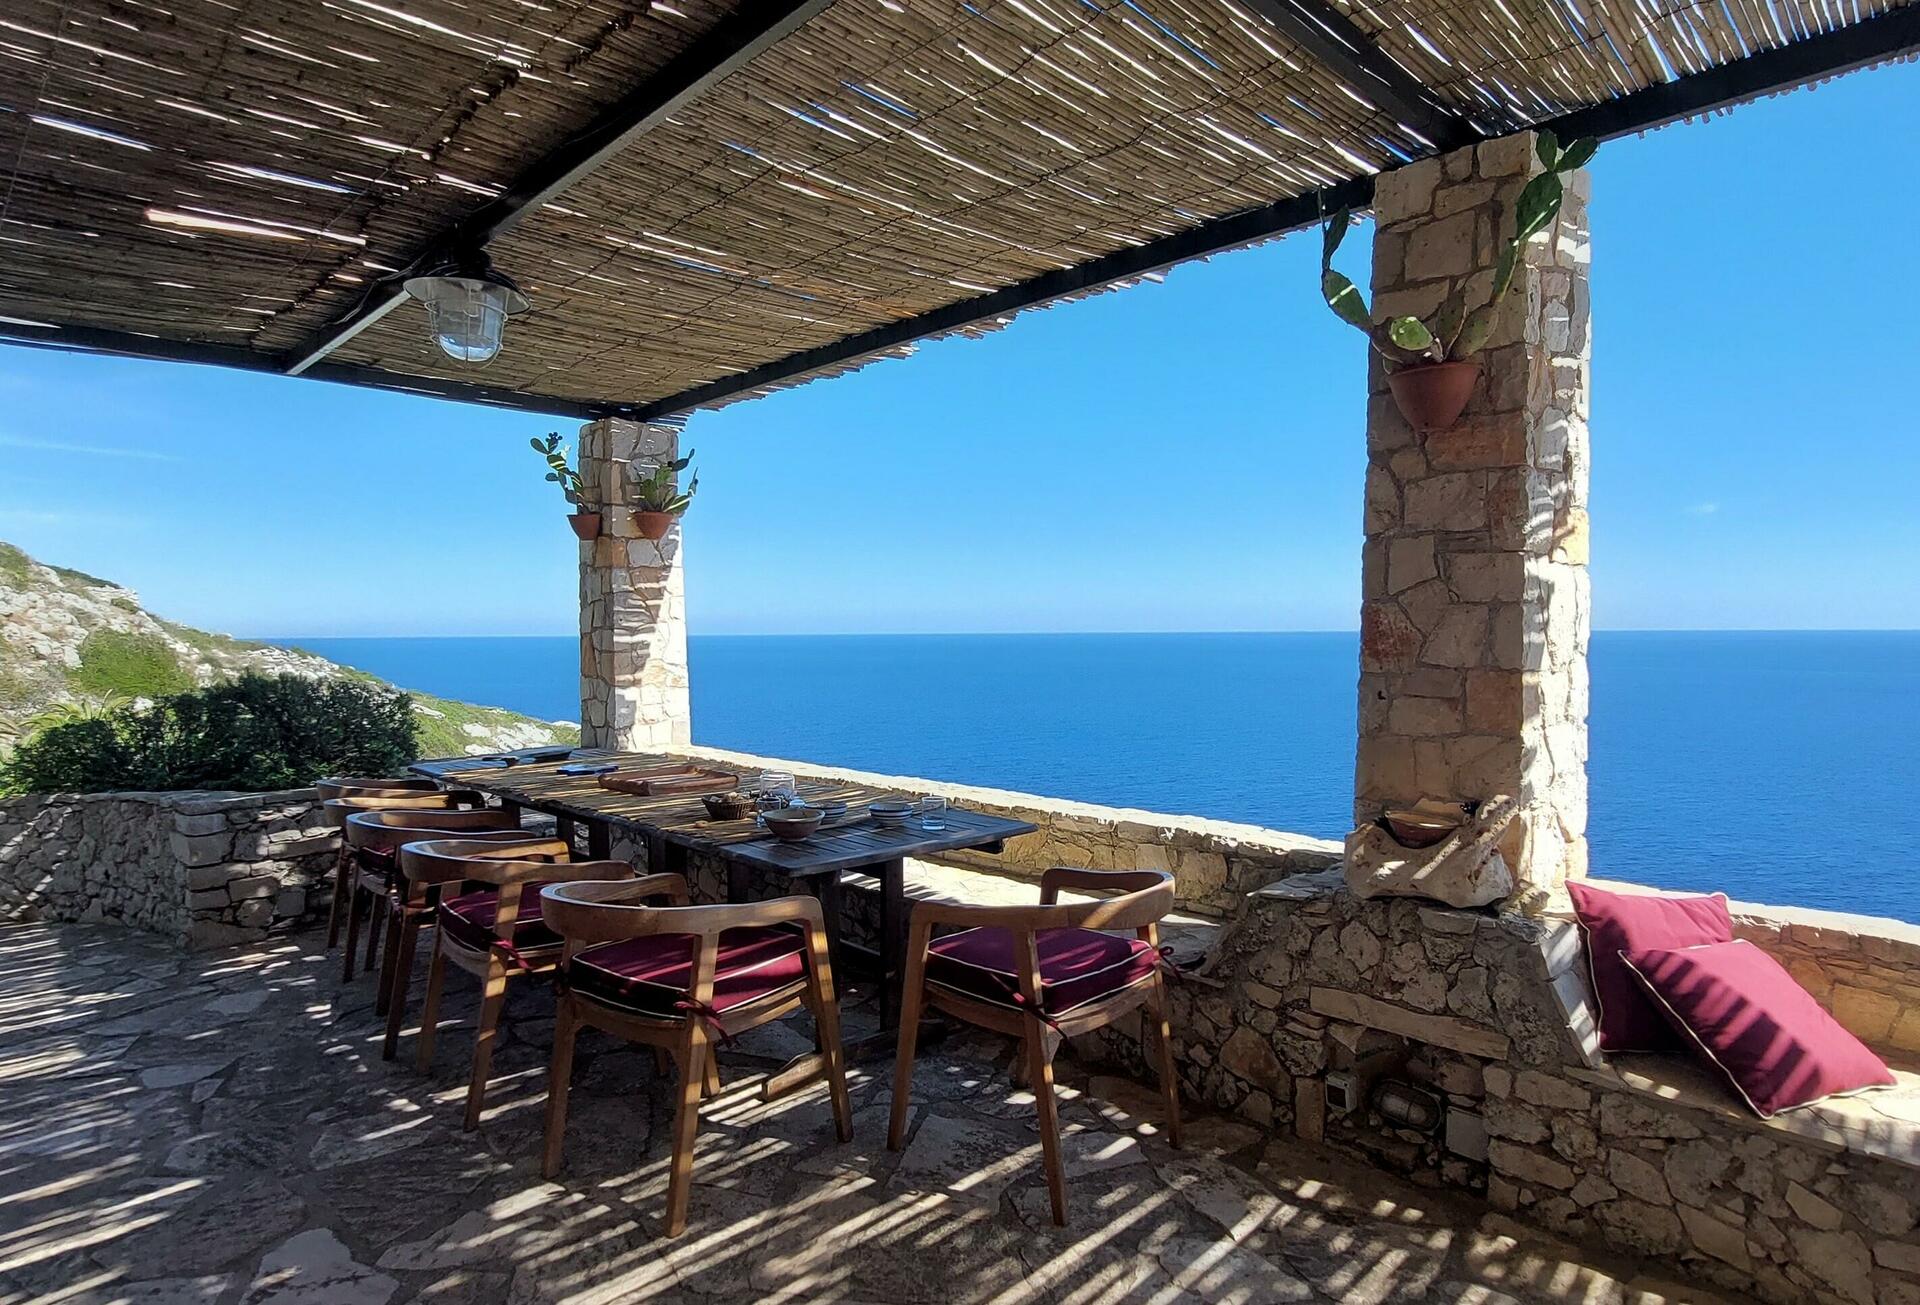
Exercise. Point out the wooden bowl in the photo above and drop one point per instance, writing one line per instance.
(1418, 829)
(792, 824)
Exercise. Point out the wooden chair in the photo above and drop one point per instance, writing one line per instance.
(373, 837)
(1042, 974)
(340, 798)
(494, 932)
(675, 978)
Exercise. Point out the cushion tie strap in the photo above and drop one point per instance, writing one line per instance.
(1036, 1010)
(707, 1015)
(1168, 967)
(511, 953)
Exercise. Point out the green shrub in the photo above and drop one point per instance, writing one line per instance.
(15, 565)
(252, 733)
(131, 665)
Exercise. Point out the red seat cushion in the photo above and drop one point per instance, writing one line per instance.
(1077, 966)
(1766, 1033)
(1627, 922)
(648, 975)
(468, 920)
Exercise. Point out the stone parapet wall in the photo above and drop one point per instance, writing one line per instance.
(1215, 863)
(1316, 1002)
(206, 869)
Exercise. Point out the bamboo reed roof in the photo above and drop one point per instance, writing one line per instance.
(241, 173)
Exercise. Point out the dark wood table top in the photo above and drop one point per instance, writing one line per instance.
(682, 819)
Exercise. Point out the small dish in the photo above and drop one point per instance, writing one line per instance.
(791, 824)
(1417, 829)
(890, 813)
(727, 806)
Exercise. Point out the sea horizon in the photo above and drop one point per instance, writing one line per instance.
(1692, 731)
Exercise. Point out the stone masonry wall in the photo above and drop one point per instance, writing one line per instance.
(1483, 1021)
(206, 869)
(1475, 612)
(633, 625)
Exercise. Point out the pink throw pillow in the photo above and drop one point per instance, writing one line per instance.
(1765, 1032)
(1627, 922)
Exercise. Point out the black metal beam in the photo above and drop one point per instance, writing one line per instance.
(1873, 40)
(128, 344)
(1340, 47)
(740, 36)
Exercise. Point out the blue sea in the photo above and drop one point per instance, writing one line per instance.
(1778, 767)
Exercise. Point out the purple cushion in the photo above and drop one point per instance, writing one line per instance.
(468, 920)
(1753, 1023)
(1076, 966)
(1627, 922)
(648, 975)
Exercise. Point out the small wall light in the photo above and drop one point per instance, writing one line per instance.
(468, 304)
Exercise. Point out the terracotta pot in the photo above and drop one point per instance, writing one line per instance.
(1433, 395)
(585, 524)
(653, 525)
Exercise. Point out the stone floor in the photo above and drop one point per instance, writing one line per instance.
(218, 1127)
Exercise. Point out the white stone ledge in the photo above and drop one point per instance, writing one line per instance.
(1807, 926)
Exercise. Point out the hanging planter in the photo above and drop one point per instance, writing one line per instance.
(1431, 396)
(657, 498)
(1430, 366)
(585, 524)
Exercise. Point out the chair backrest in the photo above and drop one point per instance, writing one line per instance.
(486, 860)
(601, 911)
(391, 827)
(338, 809)
(337, 786)
(1141, 898)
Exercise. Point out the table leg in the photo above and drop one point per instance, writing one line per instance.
(656, 854)
(893, 938)
(826, 887)
(564, 828)
(739, 882)
(511, 808)
(599, 841)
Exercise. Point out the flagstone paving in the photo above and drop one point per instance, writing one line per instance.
(218, 1128)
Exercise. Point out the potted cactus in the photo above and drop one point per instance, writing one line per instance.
(657, 498)
(585, 522)
(1430, 366)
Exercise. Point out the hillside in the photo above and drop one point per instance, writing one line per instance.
(70, 638)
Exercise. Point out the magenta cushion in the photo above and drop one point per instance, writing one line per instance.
(648, 975)
(1765, 1032)
(1628, 922)
(1076, 966)
(468, 920)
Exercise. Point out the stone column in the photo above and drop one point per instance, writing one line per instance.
(1476, 613)
(633, 624)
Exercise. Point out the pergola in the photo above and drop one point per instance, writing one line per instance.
(707, 202)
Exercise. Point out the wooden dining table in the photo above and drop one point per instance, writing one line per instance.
(674, 826)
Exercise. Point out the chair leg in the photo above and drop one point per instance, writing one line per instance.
(912, 993)
(1040, 1075)
(430, 1008)
(686, 1121)
(662, 1062)
(712, 1075)
(559, 1078)
(403, 948)
(355, 900)
(389, 952)
(1169, 1081)
(376, 903)
(494, 995)
(334, 917)
(826, 1028)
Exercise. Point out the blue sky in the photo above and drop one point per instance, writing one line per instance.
(1184, 456)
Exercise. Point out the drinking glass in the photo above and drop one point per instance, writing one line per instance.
(933, 813)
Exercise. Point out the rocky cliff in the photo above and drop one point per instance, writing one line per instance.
(71, 639)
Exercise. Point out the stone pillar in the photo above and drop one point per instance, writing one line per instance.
(1476, 613)
(633, 622)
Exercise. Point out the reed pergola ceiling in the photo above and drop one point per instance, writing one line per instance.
(708, 200)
